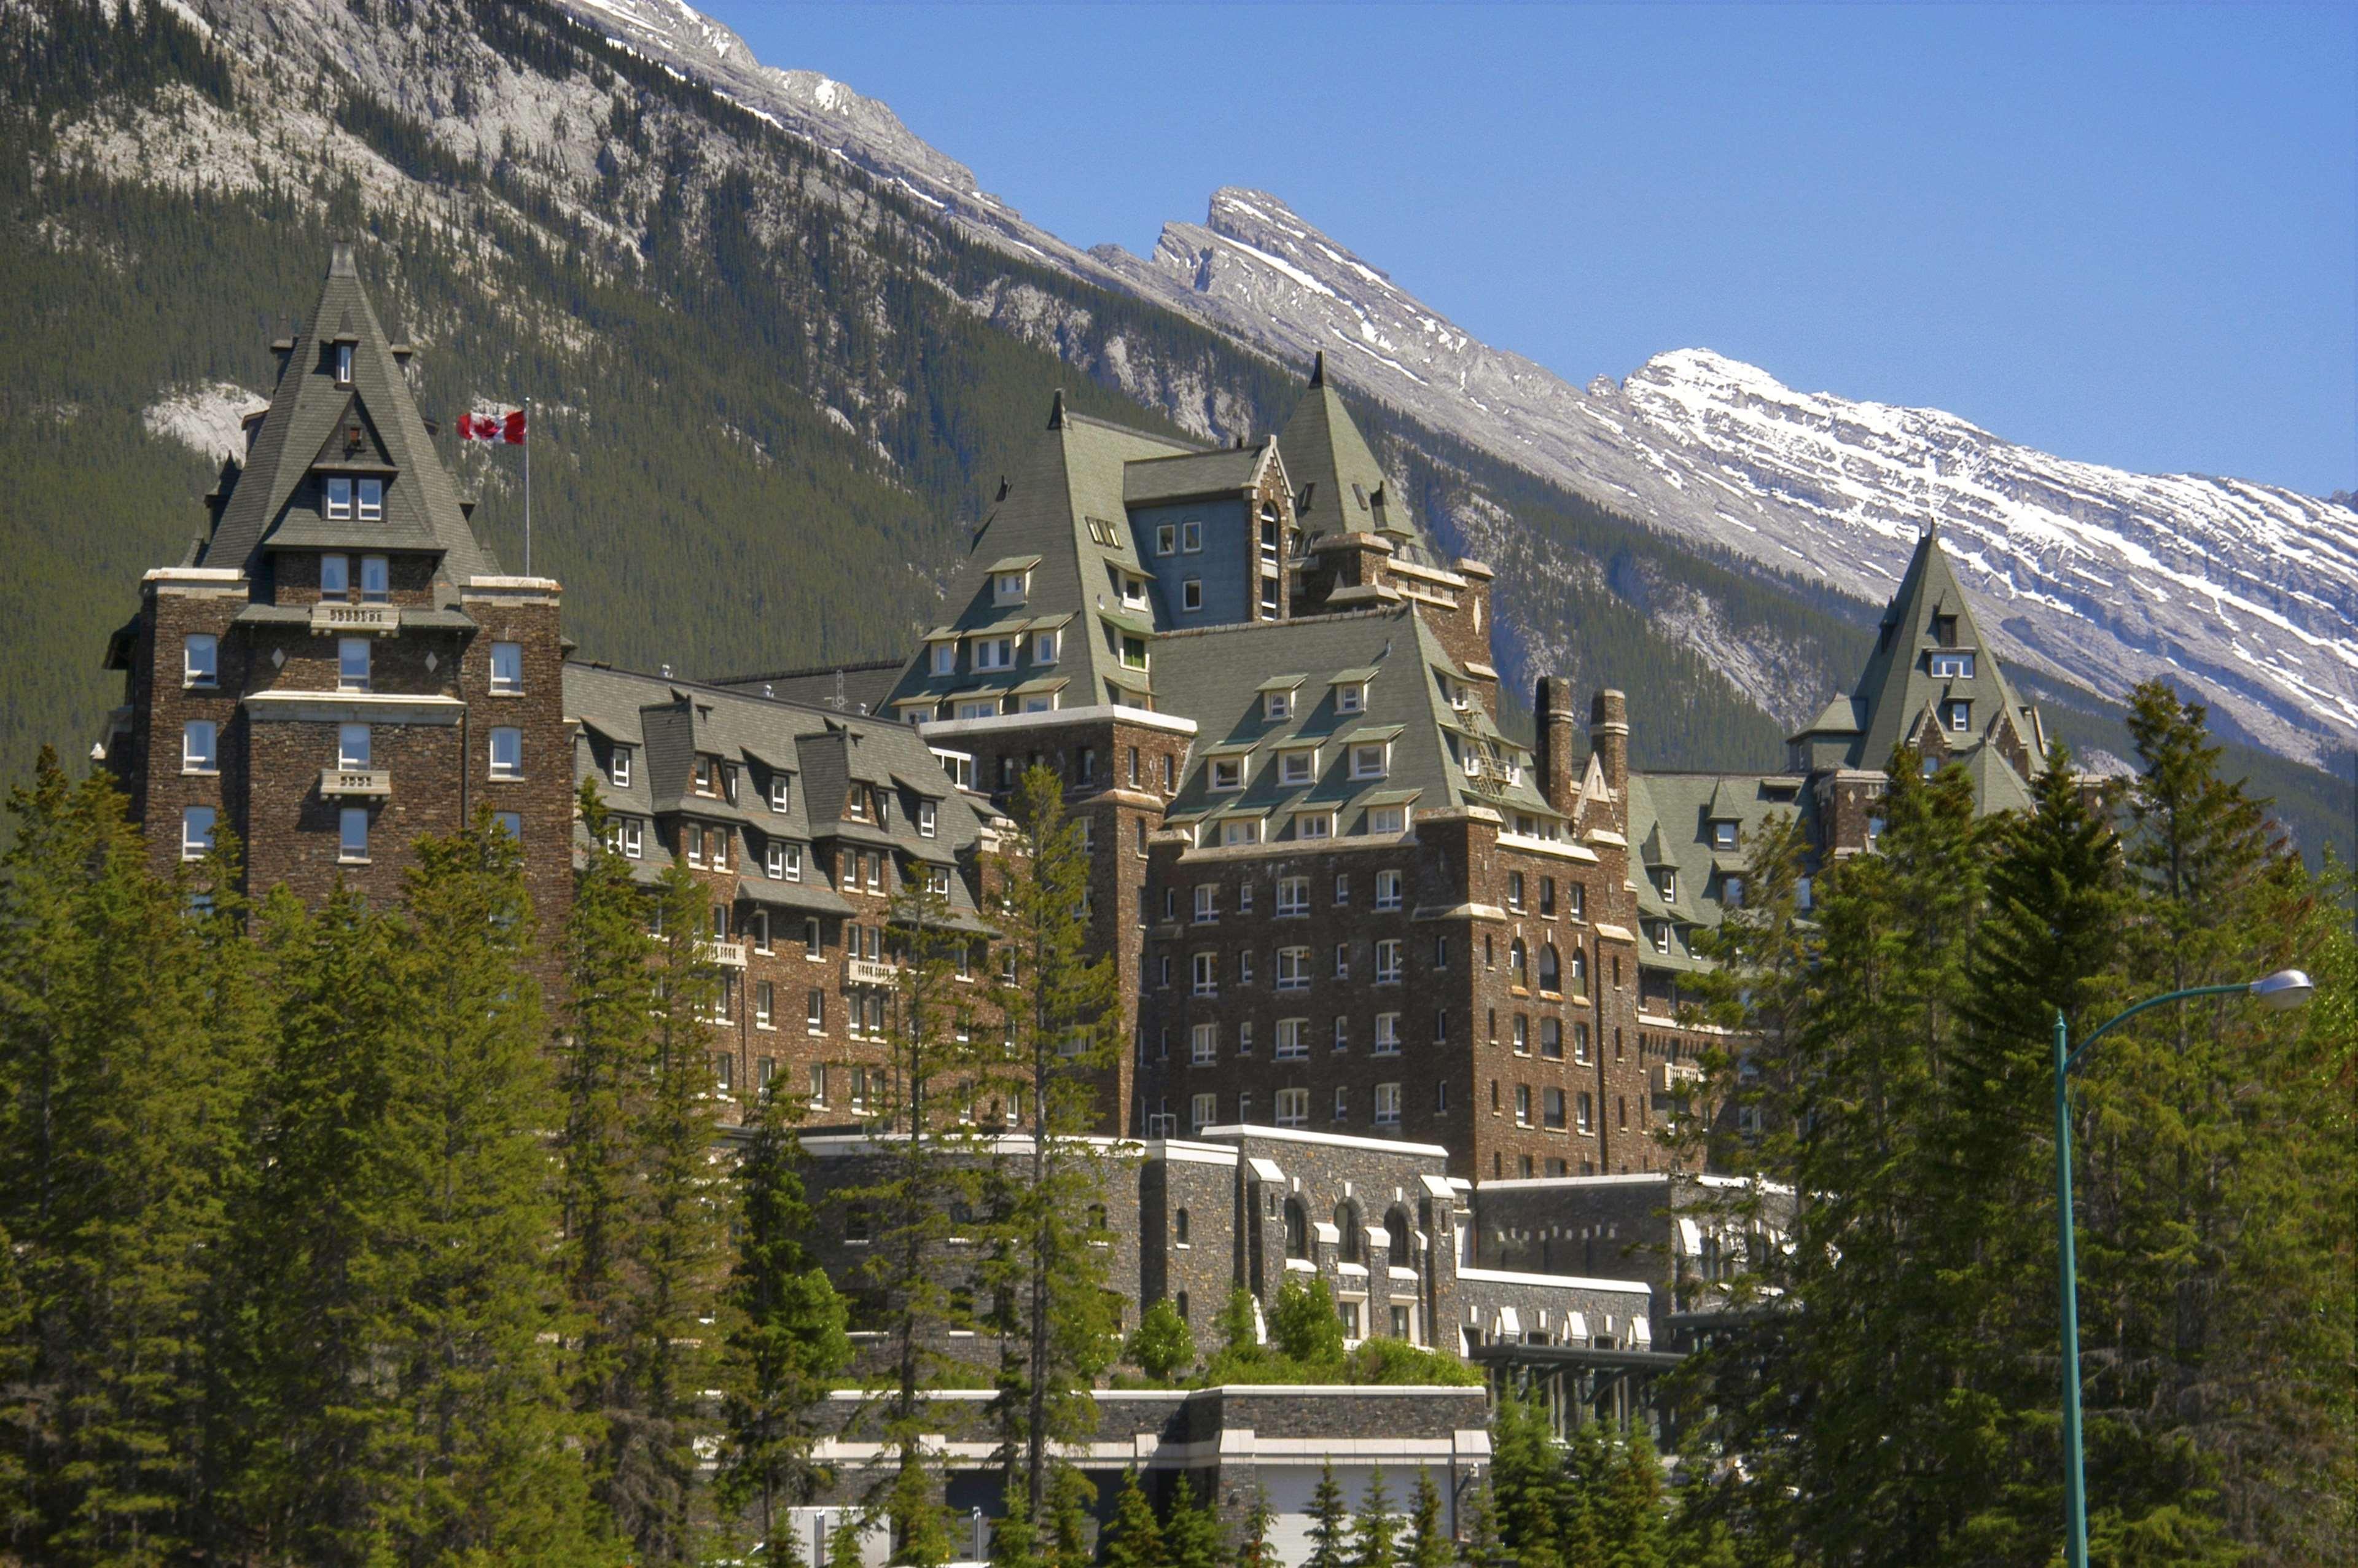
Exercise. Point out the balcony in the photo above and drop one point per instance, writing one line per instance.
(1677, 1077)
(334, 615)
(728, 954)
(867, 972)
(366, 784)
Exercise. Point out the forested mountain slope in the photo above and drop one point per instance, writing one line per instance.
(770, 389)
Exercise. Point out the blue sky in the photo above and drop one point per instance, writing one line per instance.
(2128, 235)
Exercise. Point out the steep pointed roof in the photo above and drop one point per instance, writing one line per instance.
(1339, 486)
(1070, 480)
(1929, 614)
(306, 428)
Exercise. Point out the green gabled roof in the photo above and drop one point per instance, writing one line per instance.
(1896, 687)
(1337, 480)
(1152, 482)
(306, 410)
(1072, 472)
(1670, 820)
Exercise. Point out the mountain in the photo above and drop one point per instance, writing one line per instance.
(2247, 592)
(780, 351)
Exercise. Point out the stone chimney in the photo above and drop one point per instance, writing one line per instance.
(1558, 779)
(1608, 735)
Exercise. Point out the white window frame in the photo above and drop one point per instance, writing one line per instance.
(507, 752)
(1207, 903)
(507, 669)
(1010, 588)
(200, 660)
(1044, 647)
(1204, 974)
(944, 658)
(1388, 1035)
(1191, 536)
(619, 767)
(1362, 767)
(335, 575)
(1314, 825)
(1203, 1111)
(352, 651)
(994, 653)
(199, 746)
(1292, 897)
(1298, 765)
(368, 501)
(337, 502)
(1389, 967)
(1953, 667)
(1191, 593)
(1239, 831)
(1166, 539)
(1351, 697)
(1388, 891)
(1293, 969)
(1388, 1106)
(1293, 1108)
(1227, 773)
(1204, 1045)
(1723, 834)
(1386, 820)
(1292, 1040)
(354, 746)
(197, 823)
(1276, 705)
(988, 709)
(634, 841)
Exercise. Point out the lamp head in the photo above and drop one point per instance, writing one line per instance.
(2284, 989)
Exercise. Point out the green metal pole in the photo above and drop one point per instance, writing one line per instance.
(2075, 1496)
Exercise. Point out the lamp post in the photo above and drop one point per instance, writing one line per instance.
(2285, 989)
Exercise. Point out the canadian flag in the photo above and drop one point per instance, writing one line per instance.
(508, 428)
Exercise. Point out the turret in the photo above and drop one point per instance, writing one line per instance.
(1558, 781)
(1609, 735)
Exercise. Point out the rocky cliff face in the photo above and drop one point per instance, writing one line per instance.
(2246, 592)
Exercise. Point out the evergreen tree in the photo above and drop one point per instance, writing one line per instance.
(1429, 1545)
(1191, 1535)
(1582, 1520)
(1014, 1539)
(1304, 1325)
(1375, 1531)
(1479, 1544)
(1069, 1502)
(1132, 1539)
(1330, 1523)
(1161, 1345)
(1061, 1013)
(1527, 1483)
(786, 1336)
(1633, 1518)
(1253, 1550)
(120, 1132)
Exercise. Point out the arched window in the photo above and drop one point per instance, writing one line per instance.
(1518, 964)
(1347, 1220)
(1297, 1229)
(1179, 1227)
(1551, 971)
(1403, 1238)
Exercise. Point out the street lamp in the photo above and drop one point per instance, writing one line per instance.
(2285, 989)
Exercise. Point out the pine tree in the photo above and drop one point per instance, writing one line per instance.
(1429, 1545)
(1479, 1543)
(1014, 1539)
(786, 1335)
(1375, 1531)
(1132, 1539)
(1584, 1522)
(1191, 1534)
(1069, 1502)
(1330, 1523)
(1061, 1011)
(122, 1084)
(1633, 1522)
(1526, 1481)
(1253, 1550)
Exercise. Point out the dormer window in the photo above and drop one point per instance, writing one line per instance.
(1944, 630)
(1297, 767)
(944, 658)
(372, 500)
(1371, 761)
(994, 653)
(782, 791)
(1008, 588)
(854, 803)
(1133, 652)
(339, 498)
(1227, 773)
(619, 767)
(342, 358)
(1951, 666)
(1134, 591)
(1957, 716)
(1723, 834)
(1044, 647)
(1350, 698)
(1277, 705)
(1666, 882)
(707, 776)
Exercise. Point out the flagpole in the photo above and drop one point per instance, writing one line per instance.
(527, 487)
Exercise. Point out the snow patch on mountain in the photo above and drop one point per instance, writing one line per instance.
(209, 419)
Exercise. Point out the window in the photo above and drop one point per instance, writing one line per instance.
(1203, 1045)
(1276, 705)
(1518, 964)
(1576, 901)
(1292, 1038)
(1203, 1111)
(1369, 760)
(1292, 896)
(198, 656)
(1293, 969)
(1522, 1105)
(994, 653)
(343, 364)
(1660, 931)
(1958, 716)
(1550, 970)
(1953, 667)
(1441, 952)
(1386, 819)
(619, 767)
(1579, 972)
(1207, 903)
(1552, 1109)
(1351, 697)
(507, 752)
(196, 832)
(1044, 647)
(1387, 961)
(1342, 960)
(1666, 882)
(1944, 629)
(785, 862)
(1874, 831)
(1388, 1034)
(1515, 892)
(1166, 539)
(1723, 834)
(1191, 536)
(376, 572)
(340, 499)
(1314, 825)
(352, 745)
(1007, 588)
(1245, 897)
(1343, 1113)
(938, 880)
(352, 664)
(1244, 966)
(1552, 1039)
(507, 678)
(1240, 830)
(352, 833)
(1522, 1034)
(1244, 1038)
(984, 709)
(1584, 1123)
(1387, 893)
(509, 822)
(1731, 891)
(197, 754)
(1580, 1043)
(1207, 974)
(1292, 1110)
(765, 998)
(944, 659)
(815, 1022)
(1134, 591)
(1341, 1031)
(335, 576)
(1191, 594)
(1179, 1229)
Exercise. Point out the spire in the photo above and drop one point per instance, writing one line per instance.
(1056, 411)
(1318, 369)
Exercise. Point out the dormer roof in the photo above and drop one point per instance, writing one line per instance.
(316, 427)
